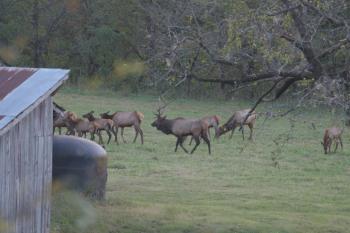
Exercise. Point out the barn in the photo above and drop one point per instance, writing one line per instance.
(26, 147)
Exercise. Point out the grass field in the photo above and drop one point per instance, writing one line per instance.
(281, 182)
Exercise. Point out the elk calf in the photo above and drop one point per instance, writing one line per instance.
(330, 135)
(126, 119)
(237, 119)
(181, 127)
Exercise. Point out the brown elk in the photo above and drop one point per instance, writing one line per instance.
(237, 119)
(330, 135)
(102, 124)
(59, 116)
(181, 128)
(126, 119)
(213, 122)
(60, 121)
(83, 126)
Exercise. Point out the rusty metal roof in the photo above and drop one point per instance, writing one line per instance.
(11, 78)
(21, 88)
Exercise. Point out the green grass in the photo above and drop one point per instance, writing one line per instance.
(263, 186)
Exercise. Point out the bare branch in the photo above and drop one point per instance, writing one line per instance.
(259, 101)
(284, 10)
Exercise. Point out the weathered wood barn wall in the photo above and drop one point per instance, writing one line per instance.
(26, 149)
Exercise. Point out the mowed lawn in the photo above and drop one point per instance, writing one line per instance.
(281, 182)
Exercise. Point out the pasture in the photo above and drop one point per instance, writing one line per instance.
(282, 182)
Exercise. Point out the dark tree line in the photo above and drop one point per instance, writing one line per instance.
(233, 45)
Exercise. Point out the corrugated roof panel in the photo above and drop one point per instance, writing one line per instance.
(28, 89)
(10, 78)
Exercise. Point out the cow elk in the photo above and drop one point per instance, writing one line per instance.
(213, 122)
(102, 124)
(126, 119)
(181, 128)
(238, 119)
(83, 126)
(330, 135)
(59, 116)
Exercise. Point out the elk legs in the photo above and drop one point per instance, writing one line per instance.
(180, 141)
(138, 131)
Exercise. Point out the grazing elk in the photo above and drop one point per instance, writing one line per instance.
(102, 124)
(237, 119)
(330, 135)
(83, 126)
(126, 119)
(213, 122)
(181, 128)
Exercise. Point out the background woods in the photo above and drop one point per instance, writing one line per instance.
(200, 47)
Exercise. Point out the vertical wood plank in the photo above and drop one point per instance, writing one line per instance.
(25, 172)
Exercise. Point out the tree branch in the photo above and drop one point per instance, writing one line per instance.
(336, 22)
(254, 78)
(284, 10)
(259, 101)
(333, 48)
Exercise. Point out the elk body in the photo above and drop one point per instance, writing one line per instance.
(101, 124)
(126, 119)
(330, 135)
(212, 121)
(60, 121)
(59, 116)
(181, 127)
(237, 119)
(83, 126)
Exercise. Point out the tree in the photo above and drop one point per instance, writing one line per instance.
(280, 43)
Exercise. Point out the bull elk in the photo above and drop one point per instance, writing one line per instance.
(330, 135)
(126, 119)
(102, 124)
(181, 128)
(237, 119)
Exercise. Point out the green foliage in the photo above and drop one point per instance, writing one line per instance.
(158, 41)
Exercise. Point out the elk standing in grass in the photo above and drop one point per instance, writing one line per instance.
(181, 128)
(102, 124)
(60, 121)
(59, 116)
(126, 119)
(237, 119)
(213, 122)
(83, 126)
(330, 135)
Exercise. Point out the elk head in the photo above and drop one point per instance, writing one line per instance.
(159, 118)
(221, 130)
(89, 116)
(325, 145)
(106, 115)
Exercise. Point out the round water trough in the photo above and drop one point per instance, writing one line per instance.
(79, 164)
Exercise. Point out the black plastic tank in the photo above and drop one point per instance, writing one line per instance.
(79, 164)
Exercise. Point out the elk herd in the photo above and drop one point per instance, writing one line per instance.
(88, 123)
(180, 127)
